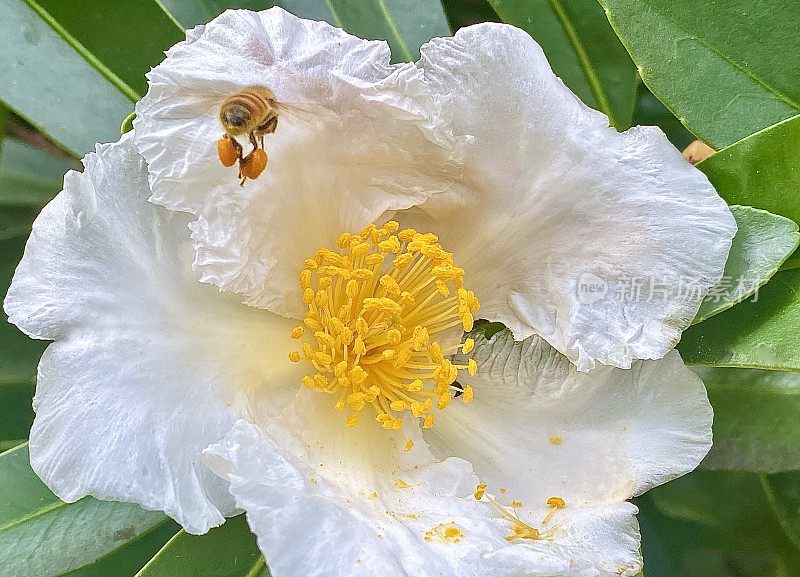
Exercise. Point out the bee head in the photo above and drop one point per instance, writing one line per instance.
(235, 118)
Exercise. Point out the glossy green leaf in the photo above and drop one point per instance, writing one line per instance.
(229, 550)
(51, 85)
(132, 556)
(404, 24)
(582, 49)
(125, 38)
(43, 536)
(783, 491)
(714, 524)
(755, 419)
(762, 243)
(16, 412)
(762, 170)
(20, 355)
(190, 13)
(761, 334)
(4, 113)
(28, 179)
(726, 68)
(650, 112)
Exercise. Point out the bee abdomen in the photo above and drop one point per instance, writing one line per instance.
(250, 100)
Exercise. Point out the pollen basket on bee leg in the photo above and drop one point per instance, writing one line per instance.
(254, 164)
(229, 151)
(379, 312)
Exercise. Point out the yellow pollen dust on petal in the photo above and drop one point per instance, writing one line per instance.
(444, 533)
(384, 313)
(520, 529)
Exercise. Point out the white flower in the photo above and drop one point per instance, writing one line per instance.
(485, 147)
(165, 391)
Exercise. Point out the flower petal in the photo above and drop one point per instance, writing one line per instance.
(358, 154)
(146, 364)
(557, 199)
(540, 428)
(340, 501)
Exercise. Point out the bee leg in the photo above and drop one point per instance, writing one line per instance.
(261, 140)
(239, 149)
(254, 140)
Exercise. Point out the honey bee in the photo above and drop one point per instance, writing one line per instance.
(252, 112)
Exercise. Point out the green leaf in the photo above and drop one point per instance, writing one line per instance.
(3, 125)
(50, 84)
(404, 24)
(755, 419)
(783, 492)
(762, 243)
(43, 536)
(759, 335)
(726, 68)
(29, 177)
(762, 170)
(582, 49)
(131, 557)
(650, 111)
(229, 550)
(714, 524)
(16, 413)
(190, 13)
(126, 39)
(20, 355)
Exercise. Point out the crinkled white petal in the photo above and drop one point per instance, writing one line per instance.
(540, 428)
(359, 153)
(556, 198)
(148, 364)
(325, 500)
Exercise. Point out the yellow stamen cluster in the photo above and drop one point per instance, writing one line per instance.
(377, 310)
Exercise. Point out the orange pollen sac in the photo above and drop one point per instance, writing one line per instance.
(253, 164)
(379, 312)
(228, 150)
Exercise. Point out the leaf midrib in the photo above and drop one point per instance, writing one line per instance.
(409, 57)
(33, 514)
(585, 63)
(260, 564)
(86, 54)
(54, 506)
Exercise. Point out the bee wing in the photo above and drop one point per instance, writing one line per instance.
(298, 112)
